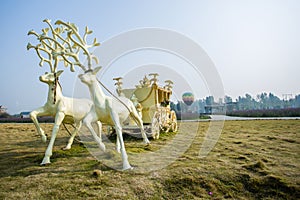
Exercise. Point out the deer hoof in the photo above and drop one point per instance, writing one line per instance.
(66, 148)
(46, 161)
(44, 138)
(102, 147)
(146, 142)
(127, 167)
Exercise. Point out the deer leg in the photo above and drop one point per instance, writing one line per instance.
(112, 129)
(87, 121)
(58, 120)
(71, 139)
(139, 123)
(118, 128)
(99, 124)
(33, 115)
(118, 146)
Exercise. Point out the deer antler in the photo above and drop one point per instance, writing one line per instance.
(38, 48)
(80, 43)
(48, 45)
(60, 45)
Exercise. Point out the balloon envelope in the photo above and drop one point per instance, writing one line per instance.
(188, 98)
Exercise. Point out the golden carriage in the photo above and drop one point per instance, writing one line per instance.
(152, 103)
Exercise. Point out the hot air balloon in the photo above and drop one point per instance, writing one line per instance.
(188, 98)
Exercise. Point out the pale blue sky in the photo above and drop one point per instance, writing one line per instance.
(254, 44)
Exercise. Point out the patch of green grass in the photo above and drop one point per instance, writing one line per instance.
(204, 117)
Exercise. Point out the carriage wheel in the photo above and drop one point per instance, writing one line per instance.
(155, 126)
(173, 118)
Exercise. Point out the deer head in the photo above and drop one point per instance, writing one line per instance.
(50, 78)
(89, 76)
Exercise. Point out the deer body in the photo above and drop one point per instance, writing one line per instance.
(104, 103)
(110, 111)
(64, 43)
(64, 109)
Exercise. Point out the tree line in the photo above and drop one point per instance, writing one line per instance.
(263, 101)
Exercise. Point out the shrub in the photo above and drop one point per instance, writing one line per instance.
(286, 112)
(4, 115)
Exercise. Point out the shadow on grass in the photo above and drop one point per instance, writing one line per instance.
(270, 185)
(24, 158)
(14, 163)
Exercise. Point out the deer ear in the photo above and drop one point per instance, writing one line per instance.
(96, 70)
(59, 72)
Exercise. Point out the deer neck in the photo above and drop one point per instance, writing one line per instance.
(97, 95)
(54, 93)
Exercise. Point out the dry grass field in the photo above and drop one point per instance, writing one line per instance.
(257, 159)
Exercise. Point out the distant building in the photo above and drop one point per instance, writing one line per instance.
(231, 106)
(24, 114)
(2, 109)
(215, 109)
